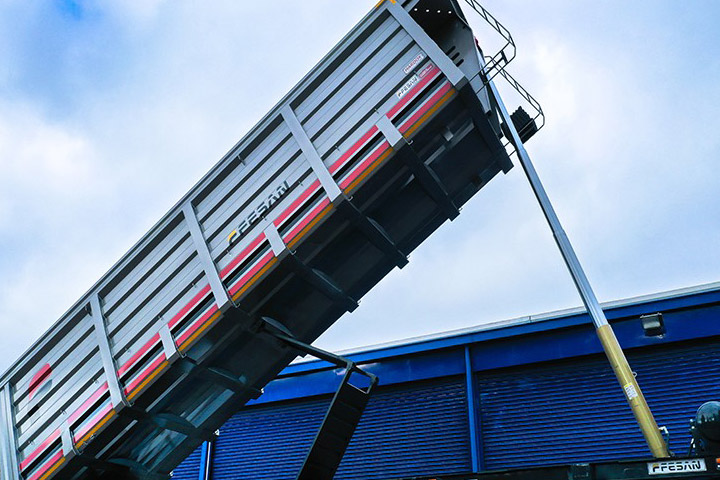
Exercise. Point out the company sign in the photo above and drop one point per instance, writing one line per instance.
(257, 213)
(677, 466)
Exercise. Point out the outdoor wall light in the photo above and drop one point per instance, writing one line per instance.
(653, 324)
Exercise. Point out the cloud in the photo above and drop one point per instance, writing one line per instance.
(51, 187)
(41, 165)
(135, 13)
(108, 117)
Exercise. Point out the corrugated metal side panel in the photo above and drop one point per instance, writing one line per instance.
(408, 430)
(416, 429)
(189, 469)
(268, 442)
(574, 411)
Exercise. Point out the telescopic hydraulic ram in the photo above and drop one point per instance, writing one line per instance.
(614, 353)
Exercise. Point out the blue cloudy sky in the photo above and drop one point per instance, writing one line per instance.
(111, 111)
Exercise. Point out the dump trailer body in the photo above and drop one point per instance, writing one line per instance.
(383, 141)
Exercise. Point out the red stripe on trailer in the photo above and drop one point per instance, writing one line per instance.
(41, 448)
(354, 149)
(155, 364)
(435, 98)
(258, 265)
(310, 191)
(38, 379)
(241, 256)
(88, 403)
(47, 466)
(428, 77)
(324, 203)
(91, 423)
(197, 324)
(365, 164)
(138, 355)
(431, 75)
(191, 304)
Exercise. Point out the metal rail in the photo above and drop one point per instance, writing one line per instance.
(495, 64)
(537, 116)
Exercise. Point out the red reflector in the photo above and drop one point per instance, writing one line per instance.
(39, 378)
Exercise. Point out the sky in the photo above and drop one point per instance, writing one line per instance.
(111, 111)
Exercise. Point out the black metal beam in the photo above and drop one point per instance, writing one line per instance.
(429, 181)
(343, 415)
(322, 282)
(375, 233)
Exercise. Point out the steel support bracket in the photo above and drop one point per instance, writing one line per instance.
(277, 244)
(390, 132)
(172, 354)
(66, 438)
(373, 231)
(222, 377)
(430, 182)
(218, 288)
(424, 174)
(281, 332)
(311, 154)
(117, 397)
(321, 282)
(176, 423)
(427, 44)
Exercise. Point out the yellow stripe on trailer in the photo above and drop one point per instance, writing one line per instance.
(381, 2)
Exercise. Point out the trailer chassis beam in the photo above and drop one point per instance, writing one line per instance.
(423, 173)
(373, 232)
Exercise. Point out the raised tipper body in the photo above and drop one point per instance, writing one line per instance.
(383, 141)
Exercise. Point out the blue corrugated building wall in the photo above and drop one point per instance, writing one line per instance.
(533, 391)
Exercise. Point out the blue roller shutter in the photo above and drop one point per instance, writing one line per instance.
(574, 411)
(189, 469)
(267, 441)
(415, 429)
(406, 430)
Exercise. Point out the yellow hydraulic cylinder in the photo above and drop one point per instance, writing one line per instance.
(634, 395)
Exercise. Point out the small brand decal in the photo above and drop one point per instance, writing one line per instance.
(405, 89)
(677, 466)
(414, 63)
(428, 68)
(257, 213)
